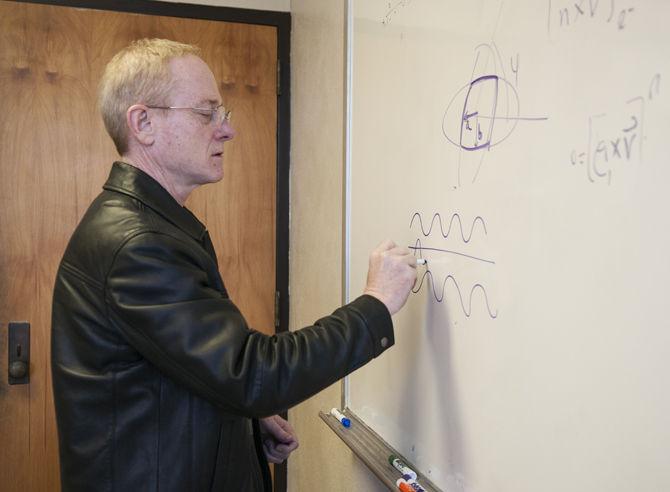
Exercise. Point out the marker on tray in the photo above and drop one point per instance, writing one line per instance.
(406, 471)
(343, 420)
(403, 486)
(409, 485)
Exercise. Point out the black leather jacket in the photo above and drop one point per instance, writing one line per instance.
(157, 378)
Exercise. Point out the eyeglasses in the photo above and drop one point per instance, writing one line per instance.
(216, 115)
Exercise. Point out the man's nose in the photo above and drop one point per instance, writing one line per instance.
(224, 131)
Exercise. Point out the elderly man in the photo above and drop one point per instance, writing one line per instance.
(158, 382)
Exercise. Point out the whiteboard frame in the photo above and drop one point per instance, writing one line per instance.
(348, 117)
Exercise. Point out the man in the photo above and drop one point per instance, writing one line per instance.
(158, 382)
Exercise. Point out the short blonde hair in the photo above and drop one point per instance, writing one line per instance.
(138, 73)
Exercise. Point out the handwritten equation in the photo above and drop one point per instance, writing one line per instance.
(485, 111)
(563, 15)
(393, 9)
(615, 139)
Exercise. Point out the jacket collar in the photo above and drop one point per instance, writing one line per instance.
(134, 182)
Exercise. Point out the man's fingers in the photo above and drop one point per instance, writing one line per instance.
(385, 245)
(276, 427)
(281, 435)
(271, 452)
(278, 453)
(398, 251)
(391, 274)
(280, 439)
(282, 430)
(287, 448)
(403, 254)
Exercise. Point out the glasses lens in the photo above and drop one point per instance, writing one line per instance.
(222, 114)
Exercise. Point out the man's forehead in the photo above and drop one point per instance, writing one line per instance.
(192, 77)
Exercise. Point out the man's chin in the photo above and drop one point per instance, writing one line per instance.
(216, 172)
(209, 179)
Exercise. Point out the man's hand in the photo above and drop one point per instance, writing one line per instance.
(279, 438)
(391, 275)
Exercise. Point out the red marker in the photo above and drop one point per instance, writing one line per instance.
(409, 486)
(403, 486)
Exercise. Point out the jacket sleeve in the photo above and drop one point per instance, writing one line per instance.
(160, 297)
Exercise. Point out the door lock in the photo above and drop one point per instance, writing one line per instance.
(19, 353)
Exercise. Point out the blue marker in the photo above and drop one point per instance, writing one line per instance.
(343, 420)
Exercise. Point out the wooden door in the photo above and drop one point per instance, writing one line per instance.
(55, 156)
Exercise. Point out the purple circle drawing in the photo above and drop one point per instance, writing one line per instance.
(482, 114)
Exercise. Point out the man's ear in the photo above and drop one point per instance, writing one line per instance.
(140, 126)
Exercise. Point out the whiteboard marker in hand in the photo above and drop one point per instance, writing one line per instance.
(421, 261)
(343, 420)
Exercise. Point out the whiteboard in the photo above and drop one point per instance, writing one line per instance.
(522, 148)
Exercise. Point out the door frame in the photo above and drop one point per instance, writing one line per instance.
(282, 22)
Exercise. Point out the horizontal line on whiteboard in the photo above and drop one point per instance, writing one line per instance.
(522, 118)
(424, 248)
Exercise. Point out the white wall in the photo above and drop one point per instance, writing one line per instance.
(322, 462)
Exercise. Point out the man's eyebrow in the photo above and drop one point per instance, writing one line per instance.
(208, 102)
